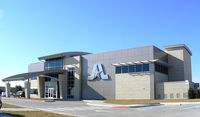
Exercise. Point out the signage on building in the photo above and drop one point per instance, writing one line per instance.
(98, 72)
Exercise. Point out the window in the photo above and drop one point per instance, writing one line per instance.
(178, 95)
(145, 67)
(166, 70)
(34, 91)
(118, 70)
(34, 78)
(71, 69)
(54, 64)
(132, 68)
(171, 96)
(70, 84)
(124, 69)
(166, 96)
(158, 96)
(139, 68)
(161, 68)
(185, 95)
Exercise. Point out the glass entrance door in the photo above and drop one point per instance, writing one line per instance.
(51, 92)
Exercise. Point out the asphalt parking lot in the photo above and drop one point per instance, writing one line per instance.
(80, 108)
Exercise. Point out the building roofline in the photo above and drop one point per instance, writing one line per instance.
(64, 54)
(28, 75)
(110, 51)
(178, 46)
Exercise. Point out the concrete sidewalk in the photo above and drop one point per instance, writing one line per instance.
(179, 103)
(33, 100)
(102, 104)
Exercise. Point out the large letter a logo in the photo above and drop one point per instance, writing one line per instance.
(97, 72)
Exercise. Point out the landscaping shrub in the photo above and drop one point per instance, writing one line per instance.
(191, 93)
(197, 93)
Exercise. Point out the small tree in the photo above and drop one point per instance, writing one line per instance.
(198, 93)
(17, 88)
(1, 91)
(191, 93)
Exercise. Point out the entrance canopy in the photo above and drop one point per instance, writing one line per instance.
(25, 76)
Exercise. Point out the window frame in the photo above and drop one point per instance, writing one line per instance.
(116, 70)
(125, 69)
(144, 68)
(137, 65)
(134, 68)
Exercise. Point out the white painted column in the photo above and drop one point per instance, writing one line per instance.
(27, 89)
(41, 87)
(8, 89)
(62, 78)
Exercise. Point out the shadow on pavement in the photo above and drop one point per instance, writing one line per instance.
(10, 115)
(148, 105)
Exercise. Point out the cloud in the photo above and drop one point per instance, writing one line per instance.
(1, 14)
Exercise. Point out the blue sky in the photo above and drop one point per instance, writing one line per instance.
(33, 28)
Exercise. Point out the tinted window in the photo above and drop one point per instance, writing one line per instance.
(145, 67)
(118, 70)
(34, 91)
(54, 64)
(136, 68)
(161, 69)
(139, 68)
(132, 68)
(34, 78)
(124, 69)
(166, 70)
(71, 69)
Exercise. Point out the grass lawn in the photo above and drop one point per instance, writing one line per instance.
(29, 113)
(33, 114)
(9, 106)
(149, 101)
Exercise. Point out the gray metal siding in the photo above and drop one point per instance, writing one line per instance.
(161, 55)
(105, 89)
(36, 67)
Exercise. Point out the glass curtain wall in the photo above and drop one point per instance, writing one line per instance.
(54, 64)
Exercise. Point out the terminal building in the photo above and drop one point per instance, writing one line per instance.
(136, 73)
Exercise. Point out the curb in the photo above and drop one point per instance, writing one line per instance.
(27, 99)
(101, 103)
(122, 106)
